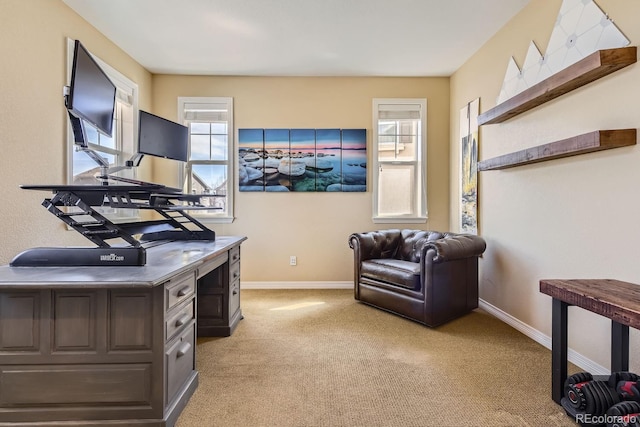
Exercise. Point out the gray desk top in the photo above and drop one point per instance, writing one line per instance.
(163, 262)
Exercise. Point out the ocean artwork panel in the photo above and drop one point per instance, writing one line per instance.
(251, 159)
(302, 160)
(354, 160)
(277, 166)
(328, 160)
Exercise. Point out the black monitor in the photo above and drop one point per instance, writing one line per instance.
(91, 95)
(162, 138)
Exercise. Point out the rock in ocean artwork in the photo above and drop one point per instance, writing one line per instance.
(302, 160)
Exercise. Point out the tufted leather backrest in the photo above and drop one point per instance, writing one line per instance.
(412, 241)
(409, 245)
(378, 244)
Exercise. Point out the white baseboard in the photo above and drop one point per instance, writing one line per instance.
(296, 285)
(573, 356)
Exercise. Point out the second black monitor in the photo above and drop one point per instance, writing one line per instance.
(162, 138)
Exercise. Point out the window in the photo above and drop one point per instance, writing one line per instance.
(121, 145)
(210, 166)
(399, 160)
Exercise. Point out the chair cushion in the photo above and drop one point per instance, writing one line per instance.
(394, 271)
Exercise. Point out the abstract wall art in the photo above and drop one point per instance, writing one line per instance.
(469, 167)
(302, 160)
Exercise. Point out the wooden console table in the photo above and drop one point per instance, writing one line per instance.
(95, 346)
(613, 299)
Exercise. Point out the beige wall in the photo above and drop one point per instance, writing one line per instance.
(566, 218)
(313, 226)
(33, 119)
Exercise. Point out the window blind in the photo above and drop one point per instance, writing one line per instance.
(124, 97)
(398, 111)
(209, 112)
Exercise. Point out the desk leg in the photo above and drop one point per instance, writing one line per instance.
(558, 349)
(619, 347)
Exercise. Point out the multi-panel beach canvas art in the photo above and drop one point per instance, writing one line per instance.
(302, 160)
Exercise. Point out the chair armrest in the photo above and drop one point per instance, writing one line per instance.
(374, 244)
(455, 246)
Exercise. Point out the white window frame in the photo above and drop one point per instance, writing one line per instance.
(205, 103)
(419, 203)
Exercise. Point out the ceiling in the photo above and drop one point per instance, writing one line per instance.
(299, 37)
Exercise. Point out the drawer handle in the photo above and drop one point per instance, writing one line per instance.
(183, 350)
(184, 319)
(184, 291)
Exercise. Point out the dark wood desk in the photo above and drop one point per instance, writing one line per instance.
(97, 346)
(613, 299)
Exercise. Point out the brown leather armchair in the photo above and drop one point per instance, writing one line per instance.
(426, 276)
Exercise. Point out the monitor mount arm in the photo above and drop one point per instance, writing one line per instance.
(80, 140)
(106, 170)
(133, 162)
(79, 137)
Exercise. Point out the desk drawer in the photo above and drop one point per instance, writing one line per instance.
(234, 272)
(179, 320)
(180, 289)
(76, 386)
(234, 255)
(179, 358)
(234, 297)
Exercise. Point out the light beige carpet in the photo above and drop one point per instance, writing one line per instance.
(320, 358)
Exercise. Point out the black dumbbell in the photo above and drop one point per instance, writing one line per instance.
(602, 397)
(624, 414)
(591, 397)
(616, 377)
(626, 384)
(573, 389)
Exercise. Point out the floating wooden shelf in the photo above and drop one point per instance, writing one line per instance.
(587, 143)
(588, 69)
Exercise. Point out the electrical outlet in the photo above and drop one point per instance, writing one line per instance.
(293, 260)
